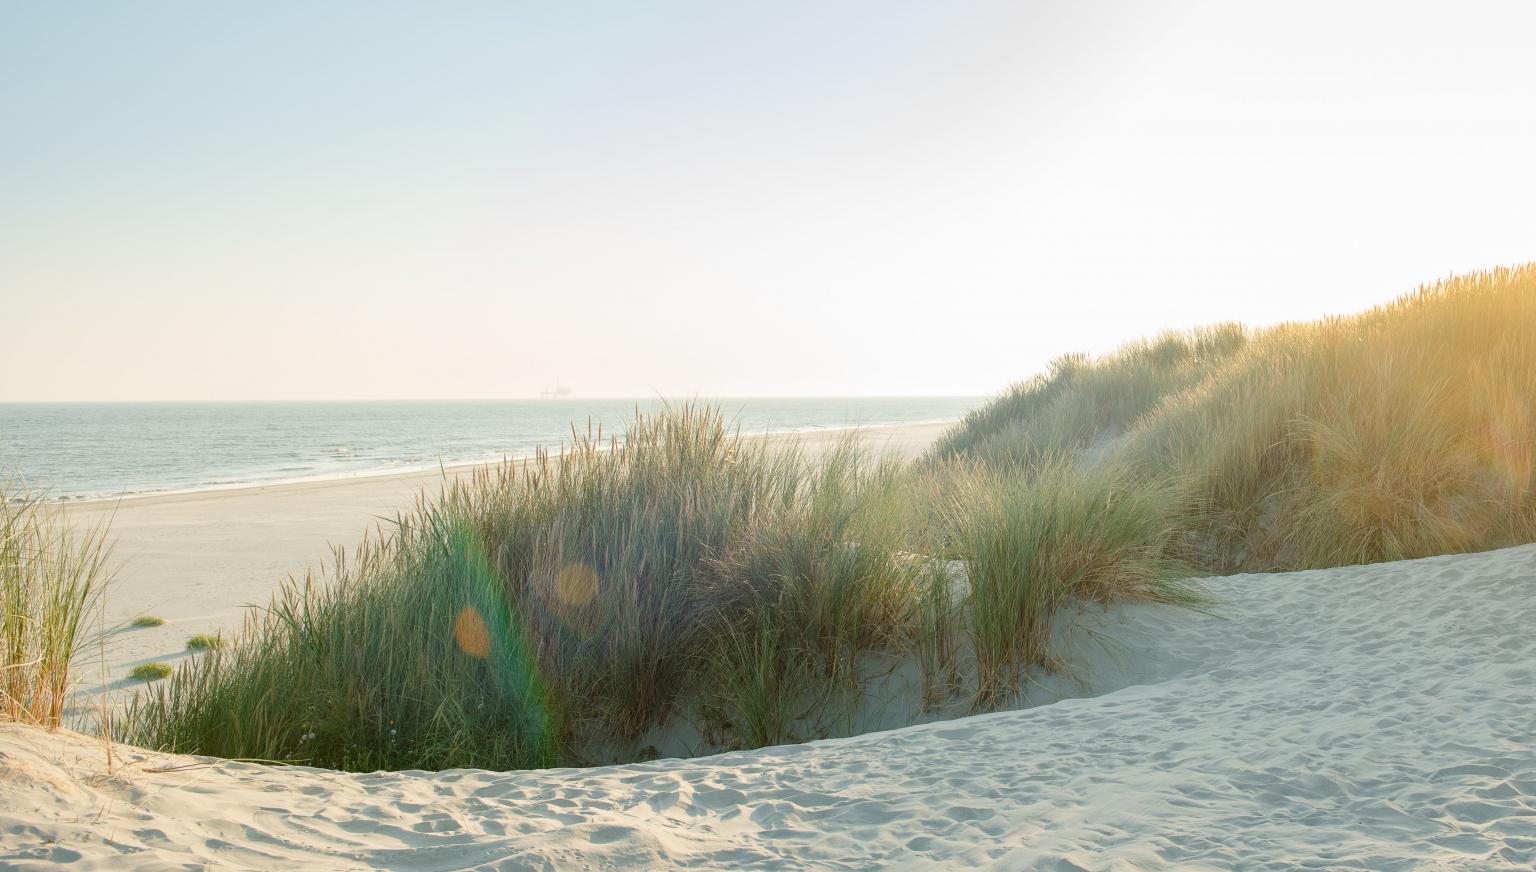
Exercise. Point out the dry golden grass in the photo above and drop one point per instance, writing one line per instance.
(1405, 431)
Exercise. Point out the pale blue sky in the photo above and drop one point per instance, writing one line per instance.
(297, 200)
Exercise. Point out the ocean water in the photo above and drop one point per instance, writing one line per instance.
(86, 450)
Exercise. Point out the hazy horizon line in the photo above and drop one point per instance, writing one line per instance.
(661, 397)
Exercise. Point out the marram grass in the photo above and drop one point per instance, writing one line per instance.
(556, 612)
(562, 611)
(1405, 431)
(1063, 531)
(52, 578)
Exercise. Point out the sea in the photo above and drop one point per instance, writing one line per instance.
(71, 451)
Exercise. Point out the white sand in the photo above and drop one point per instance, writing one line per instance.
(1379, 717)
(199, 559)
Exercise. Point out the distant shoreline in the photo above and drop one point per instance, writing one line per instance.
(84, 453)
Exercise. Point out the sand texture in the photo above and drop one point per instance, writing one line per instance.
(1379, 717)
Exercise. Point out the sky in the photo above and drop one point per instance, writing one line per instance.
(470, 200)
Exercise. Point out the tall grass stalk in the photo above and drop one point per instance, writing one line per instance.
(937, 630)
(52, 580)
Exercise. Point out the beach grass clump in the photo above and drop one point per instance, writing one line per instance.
(805, 599)
(604, 552)
(149, 671)
(205, 642)
(52, 580)
(763, 688)
(400, 659)
(147, 621)
(556, 612)
(1062, 532)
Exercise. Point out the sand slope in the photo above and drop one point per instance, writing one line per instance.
(1378, 717)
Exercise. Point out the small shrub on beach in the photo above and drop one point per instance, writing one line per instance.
(205, 642)
(146, 621)
(149, 672)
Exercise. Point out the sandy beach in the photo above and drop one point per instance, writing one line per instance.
(1375, 717)
(768, 436)
(199, 559)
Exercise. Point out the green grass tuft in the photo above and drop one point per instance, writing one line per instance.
(560, 610)
(149, 672)
(146, 621)
(205, 642)
(1036, 541)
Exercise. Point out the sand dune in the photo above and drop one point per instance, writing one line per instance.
(1379, 717)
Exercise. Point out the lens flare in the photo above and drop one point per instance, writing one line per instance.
(487, 628)
(469, 631)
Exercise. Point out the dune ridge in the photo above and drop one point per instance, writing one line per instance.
(1375, 717)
